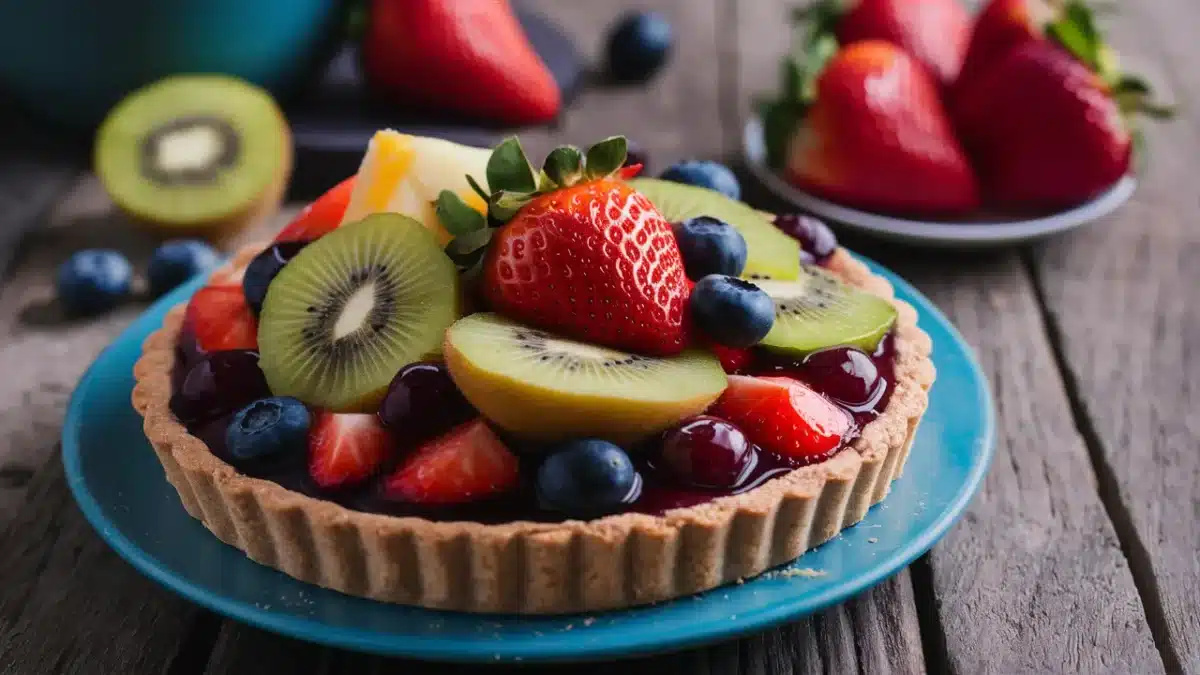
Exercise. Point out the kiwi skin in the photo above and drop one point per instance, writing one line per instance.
(532, 413)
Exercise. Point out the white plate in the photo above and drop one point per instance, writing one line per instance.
(978, 232)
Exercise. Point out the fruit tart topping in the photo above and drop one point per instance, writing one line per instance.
(219, 317)
(707, 452)
(769, 252)
(844, 374)
(176, 261)
(262, 270)
(734, 360)
(346, 448)
(467, 464)
(268, 427)
(819, 310)
(543, 387)
(321, 216)
(587, 479)
(730, 311)
(835, 133)
(784, 416)
(218, 384)
(710, 246)
(817, 241)
(422, 402)
(353, 308)
(705, 174)
(576, 252)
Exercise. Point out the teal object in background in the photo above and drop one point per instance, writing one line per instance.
(70, 61)
(120, 487)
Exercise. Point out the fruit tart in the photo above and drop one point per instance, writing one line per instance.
(485, 387)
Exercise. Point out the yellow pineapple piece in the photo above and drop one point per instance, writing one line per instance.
(405, 174)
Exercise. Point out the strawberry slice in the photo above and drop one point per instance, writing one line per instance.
(220, 318)
(464, 465)
(320, 217)
(784, 416)
(733, 359)
(346, 448)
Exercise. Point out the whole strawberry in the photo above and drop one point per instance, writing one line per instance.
(1044, 131)
(577, 252)
(864, 126)
(934, 32)
(1043, 111)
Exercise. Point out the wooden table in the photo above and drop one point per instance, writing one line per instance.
(1079, 555)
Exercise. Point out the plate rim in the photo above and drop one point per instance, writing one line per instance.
(978, 233)
(564, 649)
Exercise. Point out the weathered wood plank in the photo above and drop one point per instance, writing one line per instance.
(69, 604)
(1119, 300)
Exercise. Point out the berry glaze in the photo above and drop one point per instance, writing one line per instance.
(661, 488)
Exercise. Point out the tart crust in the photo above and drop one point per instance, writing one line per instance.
(618, 561)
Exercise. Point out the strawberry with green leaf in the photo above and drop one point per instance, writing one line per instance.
(573, 249)
(1045, 114)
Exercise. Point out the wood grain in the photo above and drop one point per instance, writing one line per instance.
(1120, 301)
(69, 604)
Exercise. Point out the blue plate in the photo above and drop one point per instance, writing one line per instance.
(121, 489)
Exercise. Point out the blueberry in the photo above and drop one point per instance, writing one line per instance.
(731, 311)
(268, 427)
(93, 281)
(587, 478)
(817, 241)
(705, 174)
(638, 45)
(710, 246)
(636, 154)
(177, 261)
(262, 270)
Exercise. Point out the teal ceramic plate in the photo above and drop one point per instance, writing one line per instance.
(981, 231)
(120, 487)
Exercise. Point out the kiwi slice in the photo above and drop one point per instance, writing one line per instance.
(539, 386)
(771, 253)
(195, 153)
(818, 310)
(353, 308)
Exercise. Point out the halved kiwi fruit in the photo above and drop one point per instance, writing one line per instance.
(353, 308)
(771, 253)
(203, 154)
(818, 310)
(539, 386)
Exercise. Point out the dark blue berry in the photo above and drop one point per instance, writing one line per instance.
(817, 241)
(731, 311)
(268, 427)
(587, 478)
(638, 46)
(177, 261)
(93, 281)
(705, 174)
(262, 270)
(710, 246)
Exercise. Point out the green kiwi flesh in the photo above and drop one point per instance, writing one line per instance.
(541, 386)
(771, 254)
(353, 308)
(818, 310)
(193, 150)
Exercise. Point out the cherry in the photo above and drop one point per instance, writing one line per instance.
(422, 402)
(817, 241)
(217, 384)
(708, 452)
(844, 374)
